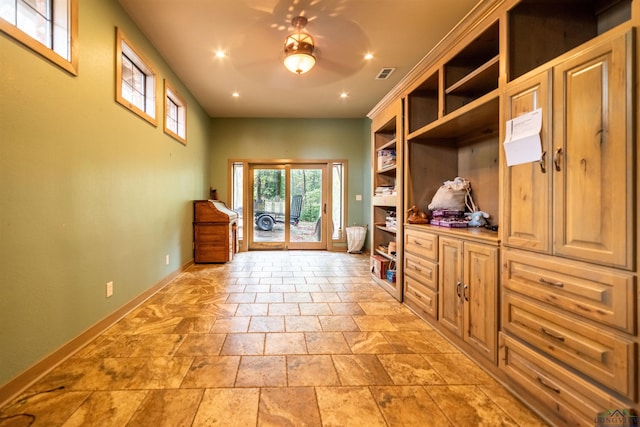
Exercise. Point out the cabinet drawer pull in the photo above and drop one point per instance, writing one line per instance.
(417, 295)
(417, 269)
(465, 292)
(549, 386)
(546, 282)
(551, 334)
(458, 289)
(416, 242)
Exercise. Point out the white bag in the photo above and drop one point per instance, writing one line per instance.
(451, 195)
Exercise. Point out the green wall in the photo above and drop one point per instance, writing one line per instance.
(89, 192)
(306, 139)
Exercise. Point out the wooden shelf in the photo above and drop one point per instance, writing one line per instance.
(482, 79)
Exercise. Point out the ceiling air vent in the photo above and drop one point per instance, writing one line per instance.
(385, 73)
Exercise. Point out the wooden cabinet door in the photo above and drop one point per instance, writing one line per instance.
(527, 187)
(480, 298)
(450, 278)
(593, 154)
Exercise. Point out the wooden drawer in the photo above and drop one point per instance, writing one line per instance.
(600, 353)
(420, 298)
(420, 243)
(597, 293)
(425, 272)
(211, 233)
(564, 395)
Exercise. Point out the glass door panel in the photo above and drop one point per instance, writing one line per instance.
(308, 207)
(269, 213)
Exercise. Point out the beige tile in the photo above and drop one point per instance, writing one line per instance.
(458, 369)
(194, 325)
(267, 324)
(325, 297)
(49, 409)
(374, 323)
(231, 324)
(297, 297)
(512, 406)
(384, 308)
(409, 342)
(284, 309)
(243, 344)
(158, 326)
(313, 370)
(313, 309)
(337, 323)
(346, 308)
(161, 372)
(167, 408)
(348, 406)
(201, 345)
(326, 343)
(216, 371)
(410, 369)
(106, 408)
(239, 298)
(368, 342)
(252, 309)
(262, 371)
(467, 405)
(228, 408)
(360, 369)
(302, 324)
(264, 297)
(285, 343)
(409, 322)
(409, 406)
(292, 406)
(150, 345)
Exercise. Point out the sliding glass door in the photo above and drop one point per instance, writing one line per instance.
(289, 206)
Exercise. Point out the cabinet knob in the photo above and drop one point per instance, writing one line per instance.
(543, 161)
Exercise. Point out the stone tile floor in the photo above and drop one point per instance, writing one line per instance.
(270, 339)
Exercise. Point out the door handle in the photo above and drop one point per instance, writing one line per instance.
(324, 209)
(556, 159)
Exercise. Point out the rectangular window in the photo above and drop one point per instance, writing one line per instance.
(135, 80)
(175, 114)
(48, 27)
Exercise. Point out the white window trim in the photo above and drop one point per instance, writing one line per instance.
(176, 98)
(69, 64)
(124, 46)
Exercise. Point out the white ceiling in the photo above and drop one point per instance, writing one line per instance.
(187, 33)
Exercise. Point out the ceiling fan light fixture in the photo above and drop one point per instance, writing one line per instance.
(298, 48)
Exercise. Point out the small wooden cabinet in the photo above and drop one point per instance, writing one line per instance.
(468, 277)
(421, 271)
(214, 232)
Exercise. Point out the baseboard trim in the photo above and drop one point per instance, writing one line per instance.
(24, 380)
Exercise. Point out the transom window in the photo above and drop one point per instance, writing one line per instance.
(48, 27)
(135, 80)
(175, 114)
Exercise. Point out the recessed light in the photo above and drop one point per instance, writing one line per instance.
(368, 56)
(235, 95)
(220, 54)
(344, 95)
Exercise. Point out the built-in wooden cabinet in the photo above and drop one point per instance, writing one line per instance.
(548, 303)
(468, 293)
(387, 179)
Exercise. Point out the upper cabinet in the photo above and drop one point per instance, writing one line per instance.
(540, 31)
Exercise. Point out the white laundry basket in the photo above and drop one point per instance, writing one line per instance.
(355, 238)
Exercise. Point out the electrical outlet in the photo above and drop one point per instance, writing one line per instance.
(166, 259)
(109, 289)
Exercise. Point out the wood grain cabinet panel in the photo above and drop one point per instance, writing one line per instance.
(421, 244)
(601, 354)
(603, 295)
(593, 155)
(567, 397)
